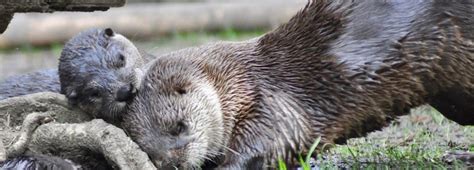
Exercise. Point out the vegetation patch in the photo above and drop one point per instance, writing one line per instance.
(424, 139)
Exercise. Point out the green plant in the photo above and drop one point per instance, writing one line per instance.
(281, 165)
(304, 163)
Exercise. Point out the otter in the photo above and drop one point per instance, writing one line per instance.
(248, 104)
(48, 162)
(98, 71)
(39, 81)
(40, 162)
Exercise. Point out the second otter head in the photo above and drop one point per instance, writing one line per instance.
(176, 116)
(98, 72)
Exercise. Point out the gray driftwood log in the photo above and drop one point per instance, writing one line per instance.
(72, 132)
(9, 7)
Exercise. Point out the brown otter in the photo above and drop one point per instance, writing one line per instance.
(315, 76)
(98, 72)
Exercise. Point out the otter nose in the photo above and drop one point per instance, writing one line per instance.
(125, 93)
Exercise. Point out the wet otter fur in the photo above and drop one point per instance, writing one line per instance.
(34, 161)
(316, 76)
(98, 71)
(39, 81)
(40, 162)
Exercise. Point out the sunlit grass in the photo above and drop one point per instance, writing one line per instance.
(196, 38)
(416, 141)
(193, 38)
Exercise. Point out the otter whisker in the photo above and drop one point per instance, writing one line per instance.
(229, 149)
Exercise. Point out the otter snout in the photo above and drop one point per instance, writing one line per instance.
(170, 153)
(125, 93)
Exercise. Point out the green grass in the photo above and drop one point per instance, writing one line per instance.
(188, 38)
(197, 38)
(304, 163)
(419, 140)
(228, 34)
(55, 48)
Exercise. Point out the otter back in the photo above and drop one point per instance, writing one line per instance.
(39, 81)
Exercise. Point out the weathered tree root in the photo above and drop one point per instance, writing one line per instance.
(72, 135)
(95, 135)
(31, 122)
(19, 107)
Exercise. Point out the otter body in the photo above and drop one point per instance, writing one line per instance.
(33, 161)
(322, 74)
(38, 162)
(39, 81)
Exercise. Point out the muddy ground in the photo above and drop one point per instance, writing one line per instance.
(423, 139)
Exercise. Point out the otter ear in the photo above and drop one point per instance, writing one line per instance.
(109, 32)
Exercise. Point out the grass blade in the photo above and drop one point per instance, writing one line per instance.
(281, 165)
(311, 150)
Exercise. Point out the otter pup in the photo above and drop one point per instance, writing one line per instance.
(269, 98)
(99, 71)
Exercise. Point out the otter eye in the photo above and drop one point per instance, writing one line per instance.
(95, 94)
(179, 129)
(121, 62)
(121, 57)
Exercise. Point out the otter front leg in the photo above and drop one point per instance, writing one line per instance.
(456, 105)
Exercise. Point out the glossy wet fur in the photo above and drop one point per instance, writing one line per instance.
(38, 162)
(177, 132)
(40, 81)
(323, 74)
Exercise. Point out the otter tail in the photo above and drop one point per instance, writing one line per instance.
(38, 162)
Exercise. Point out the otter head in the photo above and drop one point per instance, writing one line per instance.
(176, 116)
(97, 71)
